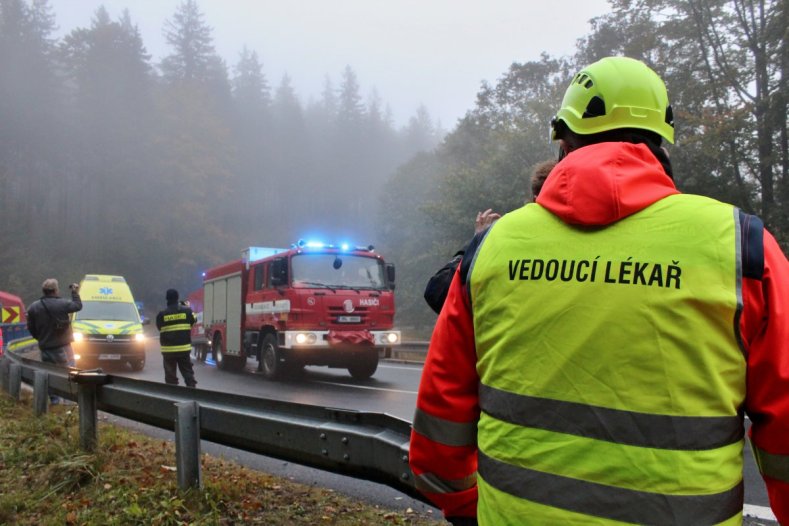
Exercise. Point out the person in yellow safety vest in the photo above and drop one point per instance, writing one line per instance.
(598, 350)
(175, 338)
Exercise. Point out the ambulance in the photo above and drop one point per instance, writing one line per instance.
(108, 329)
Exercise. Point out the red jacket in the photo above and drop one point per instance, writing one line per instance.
(595, 186)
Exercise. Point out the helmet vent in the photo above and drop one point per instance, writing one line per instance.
(669, 116)
(595, 108)
(582, 79)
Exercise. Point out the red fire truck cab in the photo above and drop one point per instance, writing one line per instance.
(312, 304)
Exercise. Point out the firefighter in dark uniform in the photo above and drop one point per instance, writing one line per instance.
(175, 338)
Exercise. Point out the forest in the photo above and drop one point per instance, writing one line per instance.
(112, 163)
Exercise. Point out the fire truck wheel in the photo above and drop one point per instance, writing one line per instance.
(219, 356)
(364, 366)
(270, 363)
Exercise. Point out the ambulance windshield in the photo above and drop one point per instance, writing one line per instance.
(108, 311)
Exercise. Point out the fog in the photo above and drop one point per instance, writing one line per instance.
(154, 139)
(413, 52)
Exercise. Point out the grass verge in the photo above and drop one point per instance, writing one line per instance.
(45, 479)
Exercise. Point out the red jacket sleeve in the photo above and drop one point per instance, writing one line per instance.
(764, 327)
(443, 450)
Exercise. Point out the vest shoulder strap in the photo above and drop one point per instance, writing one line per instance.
(469, 255)
(751, 245)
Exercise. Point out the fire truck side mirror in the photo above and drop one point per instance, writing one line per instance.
(390, 275)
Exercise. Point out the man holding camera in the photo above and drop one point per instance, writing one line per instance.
(175, 338)
(48, 322)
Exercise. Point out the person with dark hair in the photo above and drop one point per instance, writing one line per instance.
(538, 176)
(597, 351)
(175, 338)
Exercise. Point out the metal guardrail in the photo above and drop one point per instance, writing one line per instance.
(410, 351)
(365, 445)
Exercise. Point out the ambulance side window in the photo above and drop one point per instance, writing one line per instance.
(259, 277)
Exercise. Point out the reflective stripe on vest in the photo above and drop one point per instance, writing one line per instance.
(600, 500)
(613, 425)
(176, 348)
(609, 360)
(179, 327)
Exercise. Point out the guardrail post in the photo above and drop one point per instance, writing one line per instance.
(4, 363)
(187, 445)
(40, 392)
(14, 380)
(88, 417)
(87, 382)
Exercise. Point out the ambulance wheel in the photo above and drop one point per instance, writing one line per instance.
(271, 364)
(137, 364)
(364, 365)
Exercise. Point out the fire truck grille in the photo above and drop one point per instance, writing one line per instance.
(338, 315)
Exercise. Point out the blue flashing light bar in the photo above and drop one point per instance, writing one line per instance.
(345, 247)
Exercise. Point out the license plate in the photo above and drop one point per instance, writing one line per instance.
(349, 319)
(109, 357)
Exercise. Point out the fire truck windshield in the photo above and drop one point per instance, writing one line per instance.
(337, 271)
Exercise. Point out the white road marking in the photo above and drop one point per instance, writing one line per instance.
(365, 387)
(758, 512)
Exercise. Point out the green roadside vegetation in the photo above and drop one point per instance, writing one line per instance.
(45, 479)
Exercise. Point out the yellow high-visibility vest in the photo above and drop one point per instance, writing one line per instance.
(612, 374)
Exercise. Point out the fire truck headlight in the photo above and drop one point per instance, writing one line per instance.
(392, 337)
(308, 338)
(78, 336)
(139, 338)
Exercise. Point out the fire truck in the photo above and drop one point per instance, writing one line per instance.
(312, 304)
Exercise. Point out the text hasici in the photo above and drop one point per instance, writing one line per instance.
(583, 270)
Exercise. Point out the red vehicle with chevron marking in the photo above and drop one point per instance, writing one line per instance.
(13, 321)
(312, 304)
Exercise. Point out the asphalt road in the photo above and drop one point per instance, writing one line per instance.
(391, 390)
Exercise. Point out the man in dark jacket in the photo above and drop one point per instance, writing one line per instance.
(175, 338)
(48, 322)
